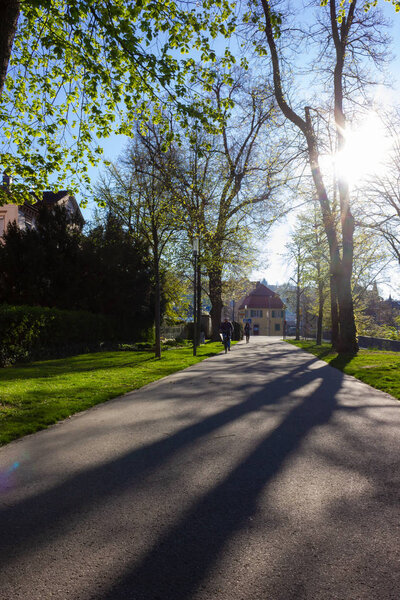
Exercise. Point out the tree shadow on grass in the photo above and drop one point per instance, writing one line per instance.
(65, 367)
(341, 361)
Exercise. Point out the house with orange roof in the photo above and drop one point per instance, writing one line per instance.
(264, 311)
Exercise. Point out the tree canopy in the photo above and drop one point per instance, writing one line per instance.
(79, 71)
(103, 271)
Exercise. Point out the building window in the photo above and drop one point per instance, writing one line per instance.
(282, 314)
(256, 313)
(277, 326)
(1, 226)
(273, 314)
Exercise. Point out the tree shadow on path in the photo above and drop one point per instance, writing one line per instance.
(25, 524)
(180, 560)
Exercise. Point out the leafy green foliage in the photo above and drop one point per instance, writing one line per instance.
(178, 292)
(80, 71)
(55, 265)
(368, 4)
(40, 266)
(28, 332)
(116, 277)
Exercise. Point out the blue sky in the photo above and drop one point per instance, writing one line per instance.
(278, 269)
(272, 251)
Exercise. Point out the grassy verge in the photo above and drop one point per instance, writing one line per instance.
(39, 394)
(378, 368)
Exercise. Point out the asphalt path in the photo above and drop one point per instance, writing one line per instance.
(263, 474)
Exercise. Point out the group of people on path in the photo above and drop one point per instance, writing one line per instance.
(226, 332)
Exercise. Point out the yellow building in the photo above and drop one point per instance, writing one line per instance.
(264, 311)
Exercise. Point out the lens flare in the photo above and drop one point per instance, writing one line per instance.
(7, 477)
(366, 149)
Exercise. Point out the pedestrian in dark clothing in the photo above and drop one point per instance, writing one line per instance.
(226, 331)
(247, 332)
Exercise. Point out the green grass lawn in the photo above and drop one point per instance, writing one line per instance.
(378, 368)
(36, 395)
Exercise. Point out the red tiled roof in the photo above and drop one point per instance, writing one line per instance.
(262, 297)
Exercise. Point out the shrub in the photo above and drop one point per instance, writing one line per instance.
(143, 346)
(237, 331)
(172, 343)
(33, 332)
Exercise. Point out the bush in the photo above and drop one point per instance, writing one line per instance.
(188, 332)
(33, 332)
(237, 331)
(143, 346)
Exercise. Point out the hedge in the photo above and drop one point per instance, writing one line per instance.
(34, 332)
(237, 331)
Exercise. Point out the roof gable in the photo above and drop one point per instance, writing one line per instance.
(262, 297)
(262, 290)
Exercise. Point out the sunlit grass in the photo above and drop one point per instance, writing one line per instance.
(378, 368)
(37, 395)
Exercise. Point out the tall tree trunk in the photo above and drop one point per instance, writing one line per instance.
(194, 304)
(157, 317)
(328, 219)
(320, 312)
(298, 297)
(334, 308)
(9, 10)
(198, 301)
(215, 293)
(347, 342)
(157, 303)
(340, 272)
(298, 315)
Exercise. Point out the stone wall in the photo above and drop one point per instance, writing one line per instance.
(380, 343)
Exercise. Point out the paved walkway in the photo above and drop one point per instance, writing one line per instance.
(260, 475)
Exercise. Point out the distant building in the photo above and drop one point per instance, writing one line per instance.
(394, 304)
(268, 285)
(25, 215)
(264, 311)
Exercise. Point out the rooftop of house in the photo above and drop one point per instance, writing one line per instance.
(262, 297)
(47, 198)
(56, 198)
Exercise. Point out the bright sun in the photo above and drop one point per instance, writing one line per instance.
(366, 150)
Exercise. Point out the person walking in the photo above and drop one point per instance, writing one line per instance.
(247, 332)
(226, 331)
